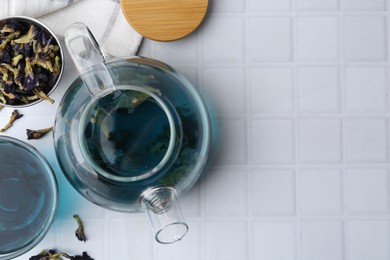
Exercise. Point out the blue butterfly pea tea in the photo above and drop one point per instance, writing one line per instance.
(28, 197)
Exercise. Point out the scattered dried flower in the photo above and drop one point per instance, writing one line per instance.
(80, 229)
(36, 134)
(14, 116)
(53, 255)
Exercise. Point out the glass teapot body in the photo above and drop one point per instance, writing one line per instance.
(131, 134)
(98, 156)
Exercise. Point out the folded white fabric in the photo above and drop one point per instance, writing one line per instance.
(103, 17)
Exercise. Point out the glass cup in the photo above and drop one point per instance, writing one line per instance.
(28, 197)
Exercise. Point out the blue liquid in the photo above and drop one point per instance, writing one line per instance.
(27, 197)
(126, 142)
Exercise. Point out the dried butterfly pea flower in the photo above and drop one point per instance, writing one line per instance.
(7, 29)
(30, 63)
(16, 59)
(80, 229)
(32, 32)
(14, 116)
(36, 134)
(53, 255)
(41, 94)
(84, 256)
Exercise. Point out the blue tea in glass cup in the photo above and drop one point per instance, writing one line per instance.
(28, 197)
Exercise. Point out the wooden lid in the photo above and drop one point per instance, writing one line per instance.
(164, 20)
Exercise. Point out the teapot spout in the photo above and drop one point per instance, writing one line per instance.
(165, 216)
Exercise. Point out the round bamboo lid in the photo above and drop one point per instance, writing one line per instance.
(164, 20)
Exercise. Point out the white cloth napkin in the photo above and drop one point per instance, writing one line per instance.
(103, 17)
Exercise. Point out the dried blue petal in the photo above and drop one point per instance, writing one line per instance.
(42, 77)
(42, 38)
(30, 83)
(6, 55)
(17, 26)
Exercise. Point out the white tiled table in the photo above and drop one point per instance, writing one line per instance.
(299, 90)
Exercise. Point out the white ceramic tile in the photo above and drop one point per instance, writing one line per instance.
(320, 141)
(89, 210)
(117, 240)
(317, 5)
(366, 89)
(319, 89)
(367, 192)
(231, 142)
(365, 5)
(182, 51)
(368, 240)
(225, 87)
(271, 90)
(321, 192)
(223, 41)
(274, 240)
(367, 140)
(190, 202)
(273, 192)
(365, 38)
(226, 6)
(270, 5)
(140, 240)
(190, 243)
(191, 73)
(270, 39)
(229, 201)
(272, 141)
(322, 240)
(226, 240)
(318, 38)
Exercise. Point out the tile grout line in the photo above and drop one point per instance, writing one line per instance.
(344, 143)
(296, 132)
(248, 123)
(388, 107)
(105, 233)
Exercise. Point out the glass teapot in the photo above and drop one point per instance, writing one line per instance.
(131, 134)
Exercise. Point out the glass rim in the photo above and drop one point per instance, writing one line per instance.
(176, 238)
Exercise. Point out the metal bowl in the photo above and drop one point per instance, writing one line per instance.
(40, 25)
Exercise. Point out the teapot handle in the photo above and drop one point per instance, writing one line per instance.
(88, 58)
